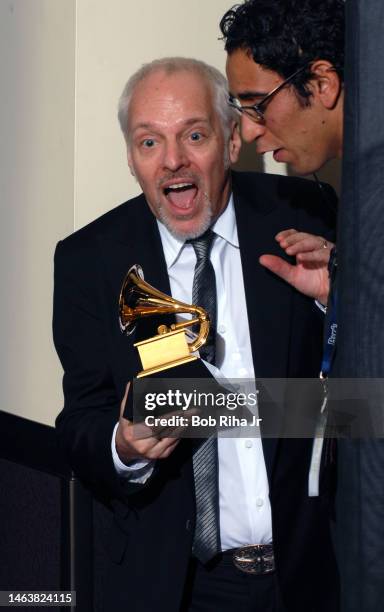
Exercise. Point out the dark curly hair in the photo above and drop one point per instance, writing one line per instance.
(285, 35)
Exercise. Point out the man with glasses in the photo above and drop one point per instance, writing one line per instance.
(285, 71)
(303, 126)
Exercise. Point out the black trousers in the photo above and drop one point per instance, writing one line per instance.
(221, 587)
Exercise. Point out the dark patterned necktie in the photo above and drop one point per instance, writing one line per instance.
(206, 543)
(204, 289)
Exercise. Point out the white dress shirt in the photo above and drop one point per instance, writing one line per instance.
(245, 511)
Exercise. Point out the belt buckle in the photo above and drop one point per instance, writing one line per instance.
(254, 559)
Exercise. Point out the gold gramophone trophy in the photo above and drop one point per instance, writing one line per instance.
(170, 347)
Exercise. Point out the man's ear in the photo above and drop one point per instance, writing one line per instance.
(234, 143)
(326, 83)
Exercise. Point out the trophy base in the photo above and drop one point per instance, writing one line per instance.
(190, 367)
(163, 352)
(165, 366)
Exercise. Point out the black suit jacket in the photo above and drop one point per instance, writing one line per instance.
(149, 543)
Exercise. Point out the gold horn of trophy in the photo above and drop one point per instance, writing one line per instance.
(170, 347)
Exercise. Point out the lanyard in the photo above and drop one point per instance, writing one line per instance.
(330, 326)
(329, 351)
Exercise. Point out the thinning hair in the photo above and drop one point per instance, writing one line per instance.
(171, 65)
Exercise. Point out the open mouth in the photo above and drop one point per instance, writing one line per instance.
(181, 195)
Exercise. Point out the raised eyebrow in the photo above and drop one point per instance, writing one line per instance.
(152, 127)
(144, 126)
(196, 120)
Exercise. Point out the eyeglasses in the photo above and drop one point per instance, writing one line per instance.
(256, 111)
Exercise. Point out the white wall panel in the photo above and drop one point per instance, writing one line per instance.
(36, 186)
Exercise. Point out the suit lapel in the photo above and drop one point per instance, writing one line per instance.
(137, 241)
(150, 256)
(145, 239)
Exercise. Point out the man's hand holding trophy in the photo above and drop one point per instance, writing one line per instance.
(173, 347)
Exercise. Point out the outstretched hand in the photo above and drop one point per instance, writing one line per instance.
(310, 274)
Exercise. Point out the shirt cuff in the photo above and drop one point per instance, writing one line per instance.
(136, 471)
(321, 306)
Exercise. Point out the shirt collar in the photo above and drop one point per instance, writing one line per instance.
(224, 226)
